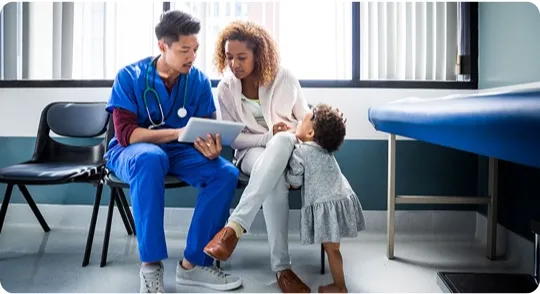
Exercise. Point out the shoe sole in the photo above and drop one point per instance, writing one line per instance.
(220, 259)
(218, 287)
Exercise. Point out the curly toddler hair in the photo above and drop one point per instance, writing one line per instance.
(329, 127)
(259, 40)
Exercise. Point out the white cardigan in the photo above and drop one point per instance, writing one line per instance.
(281, 101)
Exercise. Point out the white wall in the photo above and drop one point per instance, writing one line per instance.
(20, 108)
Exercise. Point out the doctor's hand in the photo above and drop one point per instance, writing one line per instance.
(210, 148)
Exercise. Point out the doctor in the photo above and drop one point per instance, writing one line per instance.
(151, 101)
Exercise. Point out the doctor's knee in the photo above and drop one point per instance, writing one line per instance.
(228, 172)
(151, 158)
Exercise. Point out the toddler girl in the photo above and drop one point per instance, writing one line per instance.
(330, 208)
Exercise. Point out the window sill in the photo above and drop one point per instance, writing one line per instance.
(304, 83)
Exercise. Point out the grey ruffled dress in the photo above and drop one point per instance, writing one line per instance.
(330, 208)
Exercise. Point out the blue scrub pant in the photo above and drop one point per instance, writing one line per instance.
(144, 166)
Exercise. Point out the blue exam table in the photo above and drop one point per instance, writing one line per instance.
(499, 125)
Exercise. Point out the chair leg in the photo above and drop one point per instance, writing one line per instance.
(5, 203)
(92, 229)
(218, 264)
(34, 207)
(391, 195)
(536, 273)
(122, 211)
(122, 197)
(322, 259)
(107, 230)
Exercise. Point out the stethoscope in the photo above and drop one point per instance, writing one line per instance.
(182, 112)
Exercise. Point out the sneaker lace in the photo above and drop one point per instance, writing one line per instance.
(153, 282)
(216, 271)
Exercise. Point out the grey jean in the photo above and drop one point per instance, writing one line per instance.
(267, 187)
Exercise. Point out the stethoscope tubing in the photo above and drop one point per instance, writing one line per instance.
(152, 90)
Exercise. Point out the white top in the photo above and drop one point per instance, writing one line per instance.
(281, 101)
(255, 107)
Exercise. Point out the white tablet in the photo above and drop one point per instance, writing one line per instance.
(201, 127)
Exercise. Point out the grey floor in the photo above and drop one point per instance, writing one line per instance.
(32, 261)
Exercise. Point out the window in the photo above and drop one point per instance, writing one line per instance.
(301, 46)
(409, 41)
(330, 44)
(81, 40)
(11, 51)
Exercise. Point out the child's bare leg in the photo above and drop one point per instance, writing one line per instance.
(335, 262)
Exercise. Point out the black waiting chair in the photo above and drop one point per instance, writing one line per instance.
(55, 163)
(118, 196)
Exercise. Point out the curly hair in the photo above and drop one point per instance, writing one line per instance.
(329, 127)
(265, 51)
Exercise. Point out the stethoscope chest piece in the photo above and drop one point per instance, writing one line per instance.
(182, 112)
(150, 90)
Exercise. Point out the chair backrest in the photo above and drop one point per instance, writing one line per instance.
(72, 120)
(110, 134)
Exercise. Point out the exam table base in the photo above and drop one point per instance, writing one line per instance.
(456, 282)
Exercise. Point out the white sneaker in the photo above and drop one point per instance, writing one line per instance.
(152, 278)
(208, 276)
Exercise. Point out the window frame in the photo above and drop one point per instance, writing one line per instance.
(354, 82)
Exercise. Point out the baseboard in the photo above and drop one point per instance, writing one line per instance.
(439, 224)
(509, 244)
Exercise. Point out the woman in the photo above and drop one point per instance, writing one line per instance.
(269, 101)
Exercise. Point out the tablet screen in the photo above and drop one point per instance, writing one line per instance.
(201, 127)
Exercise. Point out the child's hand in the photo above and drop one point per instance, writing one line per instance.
(341, 113)
(280, 127)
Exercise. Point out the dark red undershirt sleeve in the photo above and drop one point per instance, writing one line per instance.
(167, 85)
(125, 122)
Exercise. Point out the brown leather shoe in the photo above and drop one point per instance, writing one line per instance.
(289, 282)
(222, 245)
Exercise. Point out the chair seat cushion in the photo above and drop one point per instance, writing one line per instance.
(243, 180)
(46, 172)
(170, 181)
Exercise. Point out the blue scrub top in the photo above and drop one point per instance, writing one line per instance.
(129, 86)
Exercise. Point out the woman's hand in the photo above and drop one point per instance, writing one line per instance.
(280, 127)
(210, 148)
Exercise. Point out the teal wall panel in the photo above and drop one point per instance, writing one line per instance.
(509, 50)
(421, 168)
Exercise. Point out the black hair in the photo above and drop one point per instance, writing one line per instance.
(329, 127)
(175, 23)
